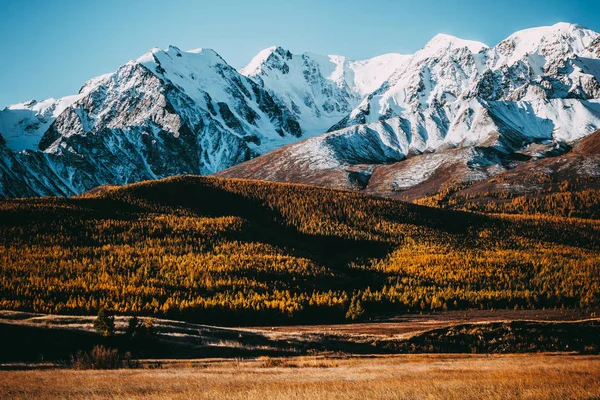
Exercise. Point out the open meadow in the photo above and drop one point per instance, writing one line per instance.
(537, 376)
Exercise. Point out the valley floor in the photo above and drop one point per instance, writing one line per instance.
(532, 376)
(30, 337)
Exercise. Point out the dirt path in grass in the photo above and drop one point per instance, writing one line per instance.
(409, 324)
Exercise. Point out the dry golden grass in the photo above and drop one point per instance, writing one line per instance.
(409, 376)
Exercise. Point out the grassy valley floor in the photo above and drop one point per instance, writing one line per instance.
(538, 376)
(35, 338)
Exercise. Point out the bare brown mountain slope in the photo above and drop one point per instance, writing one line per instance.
(468, 171)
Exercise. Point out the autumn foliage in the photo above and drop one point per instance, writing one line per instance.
(241, 252)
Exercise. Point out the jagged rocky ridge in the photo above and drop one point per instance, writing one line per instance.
(454, 102)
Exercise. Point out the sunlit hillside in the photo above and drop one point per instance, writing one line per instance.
(243, 252)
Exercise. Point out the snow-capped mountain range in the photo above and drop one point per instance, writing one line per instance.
(455, 109)
(175, 112)
(169, 112)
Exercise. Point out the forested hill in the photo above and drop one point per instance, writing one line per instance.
(241, 252)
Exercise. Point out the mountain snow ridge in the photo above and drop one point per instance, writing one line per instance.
(177, 112)
(167, 113)
(319, 90)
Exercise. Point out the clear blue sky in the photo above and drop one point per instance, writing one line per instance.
(50, 48)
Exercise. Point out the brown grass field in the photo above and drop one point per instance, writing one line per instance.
(539, 376)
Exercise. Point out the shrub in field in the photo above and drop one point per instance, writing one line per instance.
(137, 330)
(102, 358)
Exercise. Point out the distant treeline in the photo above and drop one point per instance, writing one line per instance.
(578, 198)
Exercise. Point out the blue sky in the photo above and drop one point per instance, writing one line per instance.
(50, 48)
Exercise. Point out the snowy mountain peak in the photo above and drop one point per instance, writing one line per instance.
(199, 56)
(560, 28)
(444, 42)
(22, 125)
(554, 43)
(169, 112)
(25, 104)
(319, 89)
(256, 65)
(568, 26)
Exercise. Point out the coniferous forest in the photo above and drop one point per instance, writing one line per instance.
(237, 252)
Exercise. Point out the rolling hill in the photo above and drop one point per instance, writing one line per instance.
(237, 252)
